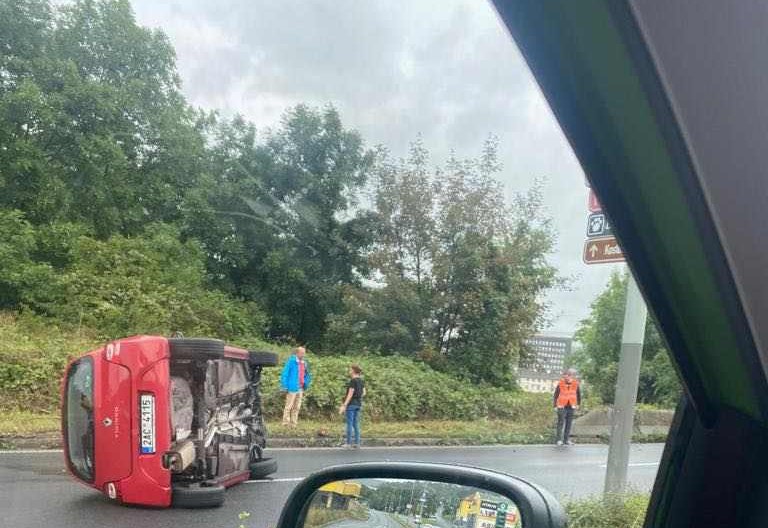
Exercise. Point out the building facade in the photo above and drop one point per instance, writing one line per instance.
(542, 366)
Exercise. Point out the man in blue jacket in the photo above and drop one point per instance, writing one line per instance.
(295, 379)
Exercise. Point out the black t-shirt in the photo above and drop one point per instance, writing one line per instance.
(356, 384)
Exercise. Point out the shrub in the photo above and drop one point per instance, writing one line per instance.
(33, 354)
(20, 273)
(622, 511)
(148, 284)
(402, 389)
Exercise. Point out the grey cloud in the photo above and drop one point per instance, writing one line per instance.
(443, 68)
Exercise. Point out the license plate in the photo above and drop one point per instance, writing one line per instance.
(147, 418)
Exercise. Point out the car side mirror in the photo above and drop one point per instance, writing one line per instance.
(418, 495)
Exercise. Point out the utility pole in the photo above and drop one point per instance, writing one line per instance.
(633, 334)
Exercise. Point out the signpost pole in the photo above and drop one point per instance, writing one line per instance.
(635, 315)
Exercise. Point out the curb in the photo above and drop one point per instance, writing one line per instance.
(53, 441)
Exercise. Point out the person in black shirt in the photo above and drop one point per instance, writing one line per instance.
(352, 406)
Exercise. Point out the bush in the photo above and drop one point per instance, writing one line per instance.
(148, 284)
(20, 273)
(623, 511)
(35, 350)
(33, 354)
(402, 389)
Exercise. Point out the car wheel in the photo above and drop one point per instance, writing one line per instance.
(261, 358)
(197, 496)
(190, 348)
(262, 468)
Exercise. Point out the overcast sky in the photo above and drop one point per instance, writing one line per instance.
(445, 69)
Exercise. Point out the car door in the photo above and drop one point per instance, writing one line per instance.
(665, 106)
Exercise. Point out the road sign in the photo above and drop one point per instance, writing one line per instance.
(602, 250)
(501, 515)
(593, 204)
(598, 226)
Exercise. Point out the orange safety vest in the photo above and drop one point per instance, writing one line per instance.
(567, 394)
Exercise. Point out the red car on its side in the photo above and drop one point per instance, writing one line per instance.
(161, 421)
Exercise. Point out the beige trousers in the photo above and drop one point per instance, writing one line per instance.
(292, 406)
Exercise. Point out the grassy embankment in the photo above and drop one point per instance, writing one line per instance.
(406, 399)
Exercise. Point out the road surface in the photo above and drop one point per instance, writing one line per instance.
(376, 519)
(35, 489)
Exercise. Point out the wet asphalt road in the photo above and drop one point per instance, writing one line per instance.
(36, 491)
(376, 519)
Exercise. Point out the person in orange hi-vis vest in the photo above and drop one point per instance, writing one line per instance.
(567, 399)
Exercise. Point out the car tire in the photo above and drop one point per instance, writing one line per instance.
(197, 496)
(191, 348)
(262, 468)
(261, 358)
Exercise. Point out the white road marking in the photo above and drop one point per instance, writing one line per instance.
(371, 448)
(292, 479)
(488, 446)
(582, 447)
(280, 449)
(636, 464)
(29, 451)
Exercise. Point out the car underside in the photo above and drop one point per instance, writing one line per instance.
(217, 423)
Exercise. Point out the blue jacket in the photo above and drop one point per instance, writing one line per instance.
(289, 379)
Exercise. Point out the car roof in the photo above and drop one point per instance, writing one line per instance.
(640, 90)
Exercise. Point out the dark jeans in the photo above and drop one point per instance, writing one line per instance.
(353, 424)
(564, 418)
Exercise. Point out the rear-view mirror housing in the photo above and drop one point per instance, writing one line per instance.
(538, 508)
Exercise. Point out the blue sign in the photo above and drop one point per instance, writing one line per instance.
(598, 226)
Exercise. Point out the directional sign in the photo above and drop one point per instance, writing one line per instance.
(501, 515)
(598, 226)
(593, 205)
(602, 250)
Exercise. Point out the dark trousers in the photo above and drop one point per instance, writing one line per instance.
(564, 420)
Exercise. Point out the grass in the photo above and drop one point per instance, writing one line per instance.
(621, 511)
(23, 423)
(407, 400)
(401, 521)
(318, 516)
(450, 431)
(27, 423)
(33, 353)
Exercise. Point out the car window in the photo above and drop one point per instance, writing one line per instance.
(378, 194)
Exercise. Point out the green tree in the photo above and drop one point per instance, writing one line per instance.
(277, 225)
(98, 140)
(600, 338)
(92, 122)
(461, 271)
(24, 27)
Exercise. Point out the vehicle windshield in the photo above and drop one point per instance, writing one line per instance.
(79, 418)
(375, 200)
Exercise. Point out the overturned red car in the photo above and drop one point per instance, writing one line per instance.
(161, 421)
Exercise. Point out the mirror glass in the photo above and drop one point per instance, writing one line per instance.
(397, 503)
